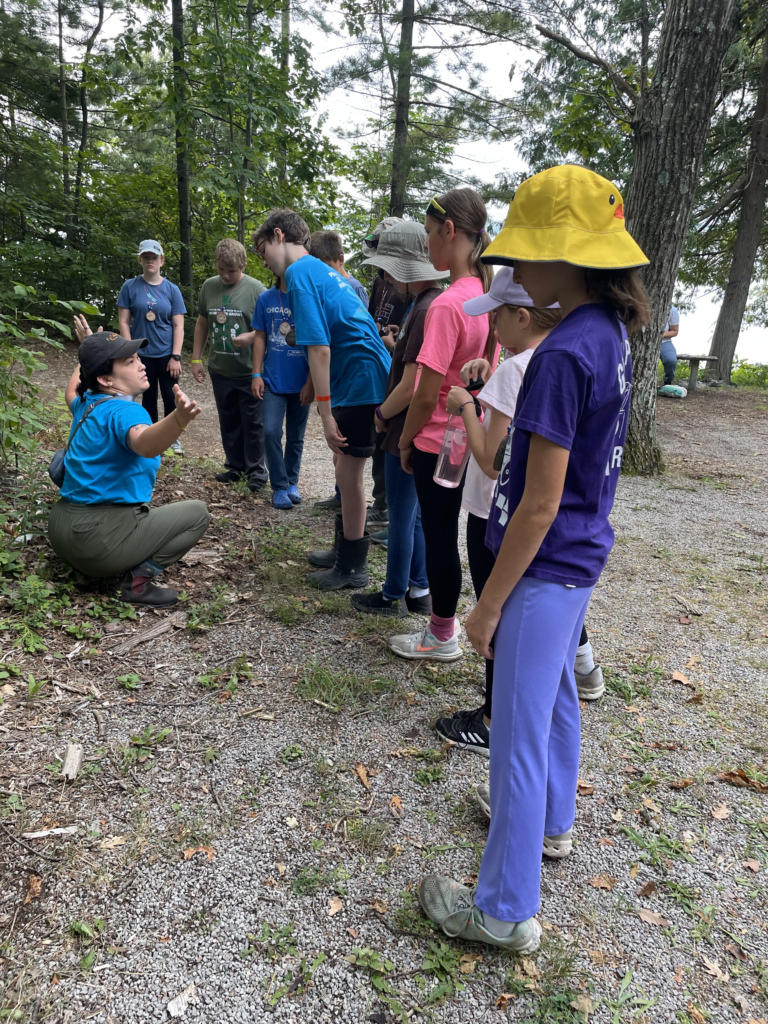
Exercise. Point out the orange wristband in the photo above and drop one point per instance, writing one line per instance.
(322, 398)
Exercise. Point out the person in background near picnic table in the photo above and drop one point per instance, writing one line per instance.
(668, 354)
(281, 379)
(387, 309)
(349, 364)
(149, 306)
(402, 256)
(550, 532)
(225, 310)
(103, 524)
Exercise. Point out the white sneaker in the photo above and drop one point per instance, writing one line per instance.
(177, 448)
(425, 645)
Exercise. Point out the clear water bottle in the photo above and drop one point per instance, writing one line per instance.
(454, 454)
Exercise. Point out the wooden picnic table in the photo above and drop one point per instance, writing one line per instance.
(694, 362)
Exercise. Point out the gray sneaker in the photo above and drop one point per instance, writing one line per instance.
(452, 906)
(423, 645)
(177, 448)
(554, 846)
(591, 685)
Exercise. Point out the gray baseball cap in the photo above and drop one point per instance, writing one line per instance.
(401, 253)
(151, 245)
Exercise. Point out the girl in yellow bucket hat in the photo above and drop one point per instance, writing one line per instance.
(548, 527)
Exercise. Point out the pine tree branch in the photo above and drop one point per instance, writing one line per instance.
(475, 96)
(615, 75)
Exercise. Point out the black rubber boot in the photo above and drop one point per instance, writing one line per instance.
(327, 559)
(351, 568)
(141, 590)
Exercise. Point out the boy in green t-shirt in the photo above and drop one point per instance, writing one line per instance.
(225, 310)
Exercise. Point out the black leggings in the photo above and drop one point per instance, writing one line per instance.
(481, 562)
(157, 373)
(440, 508)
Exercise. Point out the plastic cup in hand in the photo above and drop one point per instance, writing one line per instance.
(454, 454)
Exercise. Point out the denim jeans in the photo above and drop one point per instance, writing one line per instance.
(668, 358)
(284, 468)
(406, 557)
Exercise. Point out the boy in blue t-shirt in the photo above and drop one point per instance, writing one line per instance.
(281, 379)
(326, 246)
(349, 365)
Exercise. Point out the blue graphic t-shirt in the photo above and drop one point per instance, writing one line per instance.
(575, 393)
(164, 300)
(360, 289)
(100, 466)
(285, 369)
(327, 311)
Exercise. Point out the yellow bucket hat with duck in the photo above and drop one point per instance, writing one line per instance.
(567, 213)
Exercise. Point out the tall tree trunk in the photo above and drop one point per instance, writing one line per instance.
(84, 114)
(285, 58)
(670, 127)
(751, 219)
(400, 151)
(182, 149)
(63, 108)
(248, 138)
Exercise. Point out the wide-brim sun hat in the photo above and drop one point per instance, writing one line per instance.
(503, 292)
(371, 242)
(402, 254)
(569, 214)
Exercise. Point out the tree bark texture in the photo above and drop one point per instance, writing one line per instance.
(400, 152)
(63, 107)
(751, 220)
(182, 149)
(670, 124)
(84, 112)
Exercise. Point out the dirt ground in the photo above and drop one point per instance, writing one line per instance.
(262, 787)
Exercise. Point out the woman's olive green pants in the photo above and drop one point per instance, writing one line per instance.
(106, 540)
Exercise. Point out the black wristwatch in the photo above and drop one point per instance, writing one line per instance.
(174, 356)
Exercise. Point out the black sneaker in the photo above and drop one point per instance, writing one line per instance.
(467, 730)
(334, 502)
(254, 486)
(230, 476)
(377, 604)
(419, 605)
(376, 518)
(147, 593)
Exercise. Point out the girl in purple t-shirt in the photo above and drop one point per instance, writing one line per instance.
(549, 530)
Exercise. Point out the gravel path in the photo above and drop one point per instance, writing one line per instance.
(269, 832)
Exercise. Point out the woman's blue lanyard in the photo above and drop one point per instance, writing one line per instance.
(407, 314)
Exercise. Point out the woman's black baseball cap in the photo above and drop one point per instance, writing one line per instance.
(104, 346)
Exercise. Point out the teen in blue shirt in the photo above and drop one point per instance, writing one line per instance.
(150, 307)
(281, 379)
(349, 365)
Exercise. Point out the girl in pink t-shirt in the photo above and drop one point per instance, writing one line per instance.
(456, 238)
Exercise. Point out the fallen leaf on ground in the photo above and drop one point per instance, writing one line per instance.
(584, 788)
(209, 852)
(529, 967)
(379, 907)
(617, 816)
(697, 698)
(714, 970)
(648, 889)
(362, 773)
(740, 778)
(35, 885)
(681, 783)
(603, 882)
(693, 661)
(678, 677)
(334, 906)
(469, 962)
(685, 620)
(352, 932)
(633, 871)
(679, 976)
(584, 1005)
(7, 690)
(292, 822)
(110, 844)
(751, 864)
(736, 951)
(396, 807)
(504, 1000)
(597, 956)
(647, 802)
(68, 830)
(721, 812)
(281, 869)
(742, 1002)
(605, 841)
(696, 1015)
(757, 1020)
(651, 917)
(178, 1006)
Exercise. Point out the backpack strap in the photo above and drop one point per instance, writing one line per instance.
(84, 417)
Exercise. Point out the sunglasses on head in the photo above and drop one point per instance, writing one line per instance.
(434, 205)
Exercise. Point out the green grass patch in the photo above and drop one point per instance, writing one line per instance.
(336, 688)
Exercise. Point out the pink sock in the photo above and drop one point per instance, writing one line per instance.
(442, 629)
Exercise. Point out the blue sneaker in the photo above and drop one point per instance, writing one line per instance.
(293, 494)
(280, 499)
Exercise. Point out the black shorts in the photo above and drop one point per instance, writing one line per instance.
(355, 422)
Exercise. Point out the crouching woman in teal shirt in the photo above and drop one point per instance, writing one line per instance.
(103, 525)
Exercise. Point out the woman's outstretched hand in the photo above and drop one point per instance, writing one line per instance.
(82, 330)
(186, 409)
